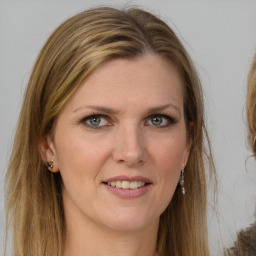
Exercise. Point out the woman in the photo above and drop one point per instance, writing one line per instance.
(108, 155)
(245, 244)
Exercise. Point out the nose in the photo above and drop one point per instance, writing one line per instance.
(129, 146)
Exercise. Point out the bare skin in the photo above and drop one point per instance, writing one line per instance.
(124, 126)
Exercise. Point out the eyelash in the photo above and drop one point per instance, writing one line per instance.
(87, 118)
(170, 120)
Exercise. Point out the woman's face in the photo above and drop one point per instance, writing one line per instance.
(120, 144)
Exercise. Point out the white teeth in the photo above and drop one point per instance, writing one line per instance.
(118, 184)
(127, 184)
(133, 185)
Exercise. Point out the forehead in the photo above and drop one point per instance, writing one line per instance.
(145, 80)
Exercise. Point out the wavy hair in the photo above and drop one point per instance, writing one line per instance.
(245, 245)
(251, 105)
(34, 209)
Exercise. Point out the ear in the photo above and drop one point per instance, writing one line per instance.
(48, 153)
(189, 142)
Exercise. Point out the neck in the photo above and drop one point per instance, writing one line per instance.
(88, 238)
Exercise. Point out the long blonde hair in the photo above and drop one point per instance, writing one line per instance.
(245, 245)
(251, 105)
(34, 207)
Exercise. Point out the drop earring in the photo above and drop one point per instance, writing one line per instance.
(49, 164)
(182, 182)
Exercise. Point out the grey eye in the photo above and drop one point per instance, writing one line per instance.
(95, 121)
(157, 120)
(160, 121)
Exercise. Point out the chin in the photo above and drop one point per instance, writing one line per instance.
(129, 221)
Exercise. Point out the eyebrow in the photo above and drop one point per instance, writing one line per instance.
(163, 107)
(98, 108)
(112, 111)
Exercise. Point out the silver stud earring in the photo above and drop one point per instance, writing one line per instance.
(49, 164)
(182, 182)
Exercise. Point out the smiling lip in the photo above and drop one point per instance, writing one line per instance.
(126, 178)
(126, 192)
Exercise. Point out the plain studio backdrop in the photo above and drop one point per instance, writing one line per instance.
(220, 36)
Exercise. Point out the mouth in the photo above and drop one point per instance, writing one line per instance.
(128, 187)
(125, 184)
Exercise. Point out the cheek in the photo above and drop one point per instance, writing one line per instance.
(170, 154)
(169, 160)
(80, 157)
(168, 164)
(74, 149)
(79, 165)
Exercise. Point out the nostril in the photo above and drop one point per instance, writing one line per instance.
(129, 158)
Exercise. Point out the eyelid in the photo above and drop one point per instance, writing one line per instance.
(93, 115)
(171, 120)
(169, 117)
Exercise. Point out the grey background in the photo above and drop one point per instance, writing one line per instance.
(221, 38)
